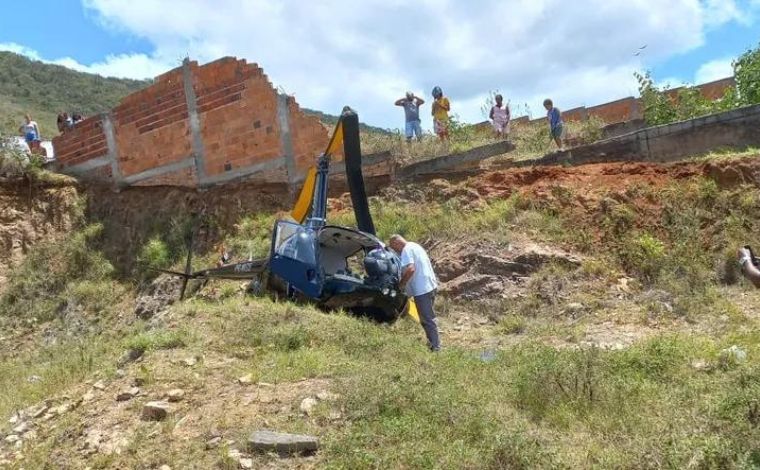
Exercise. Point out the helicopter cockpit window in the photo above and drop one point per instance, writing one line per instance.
(295, 242)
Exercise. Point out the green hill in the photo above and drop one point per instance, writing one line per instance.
(42, 90)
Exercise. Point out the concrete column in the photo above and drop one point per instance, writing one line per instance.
(283, 117)
(113, 150)
(195, 122)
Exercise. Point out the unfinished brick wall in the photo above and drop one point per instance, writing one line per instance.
(197, 126)
(151, 126)
(83, 143)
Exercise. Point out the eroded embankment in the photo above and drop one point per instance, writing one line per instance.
(32, 212)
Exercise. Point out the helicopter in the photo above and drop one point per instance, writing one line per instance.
(311, 261)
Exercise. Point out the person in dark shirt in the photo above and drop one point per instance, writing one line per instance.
(555, 122)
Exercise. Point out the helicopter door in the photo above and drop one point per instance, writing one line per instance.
(294, 258)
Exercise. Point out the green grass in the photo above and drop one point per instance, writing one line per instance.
(534, 406)
(61, 273)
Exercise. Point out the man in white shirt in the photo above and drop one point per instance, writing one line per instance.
(419, 281)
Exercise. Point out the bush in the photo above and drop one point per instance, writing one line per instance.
(644, 256)
(747, 74)
(663, 106)
(155, 253)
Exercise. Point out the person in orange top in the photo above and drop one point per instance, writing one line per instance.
(441, 108)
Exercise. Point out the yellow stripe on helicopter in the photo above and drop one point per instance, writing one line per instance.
(303, 203)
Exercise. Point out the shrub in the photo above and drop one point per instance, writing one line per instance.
(155, 253)
(644, 255)
(747, 74)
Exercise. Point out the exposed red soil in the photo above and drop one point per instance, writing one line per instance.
(601, 178)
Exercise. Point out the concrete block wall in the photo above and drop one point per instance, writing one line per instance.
(196, 126)
(735, 129)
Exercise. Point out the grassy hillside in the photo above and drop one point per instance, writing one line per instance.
(42, 90)
(642, 354)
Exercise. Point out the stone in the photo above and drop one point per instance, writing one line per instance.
(282, 443)
(127, 394)
(246, 379)
(89, 396)
(21, 428)
(156, 411)
(12, 438)
(307, 405)
(62, 409)
(13, 419)
(34, 379)
(121, 373)
(39, 411)
(733, 354)
(100, 385)
(164, 467)
(175, 395)
(213, 443)
(245, 463)
(327, 396)
(189, 361)
(574, 308)
(234, 455)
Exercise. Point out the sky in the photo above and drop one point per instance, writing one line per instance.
(366, 54)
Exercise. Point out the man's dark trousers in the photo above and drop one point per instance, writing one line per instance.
(424, 304)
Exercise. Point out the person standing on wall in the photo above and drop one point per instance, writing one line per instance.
(31, 133)
(500, 116)
(441, 108)
(418, 280)
(556, 125)
(411, 105)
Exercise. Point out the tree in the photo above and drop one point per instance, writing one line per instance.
(747, 74)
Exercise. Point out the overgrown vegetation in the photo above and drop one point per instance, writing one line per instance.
(663, 105)
(60, 275)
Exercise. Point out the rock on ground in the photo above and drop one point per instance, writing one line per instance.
(282, 443)
(175, 395)
(156, 411)
(307, 405)
(157, 296)
(127, 394)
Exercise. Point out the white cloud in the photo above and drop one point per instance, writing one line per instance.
(137, 66)
(714, 70)
(337, 52)
(719, 12)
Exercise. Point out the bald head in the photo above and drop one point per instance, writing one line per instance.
(397, 243)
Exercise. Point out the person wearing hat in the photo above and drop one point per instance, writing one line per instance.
(441, 108)
(411, 105)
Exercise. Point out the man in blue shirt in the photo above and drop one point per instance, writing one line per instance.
(419, 281)
(411, 105)
(555, 122)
